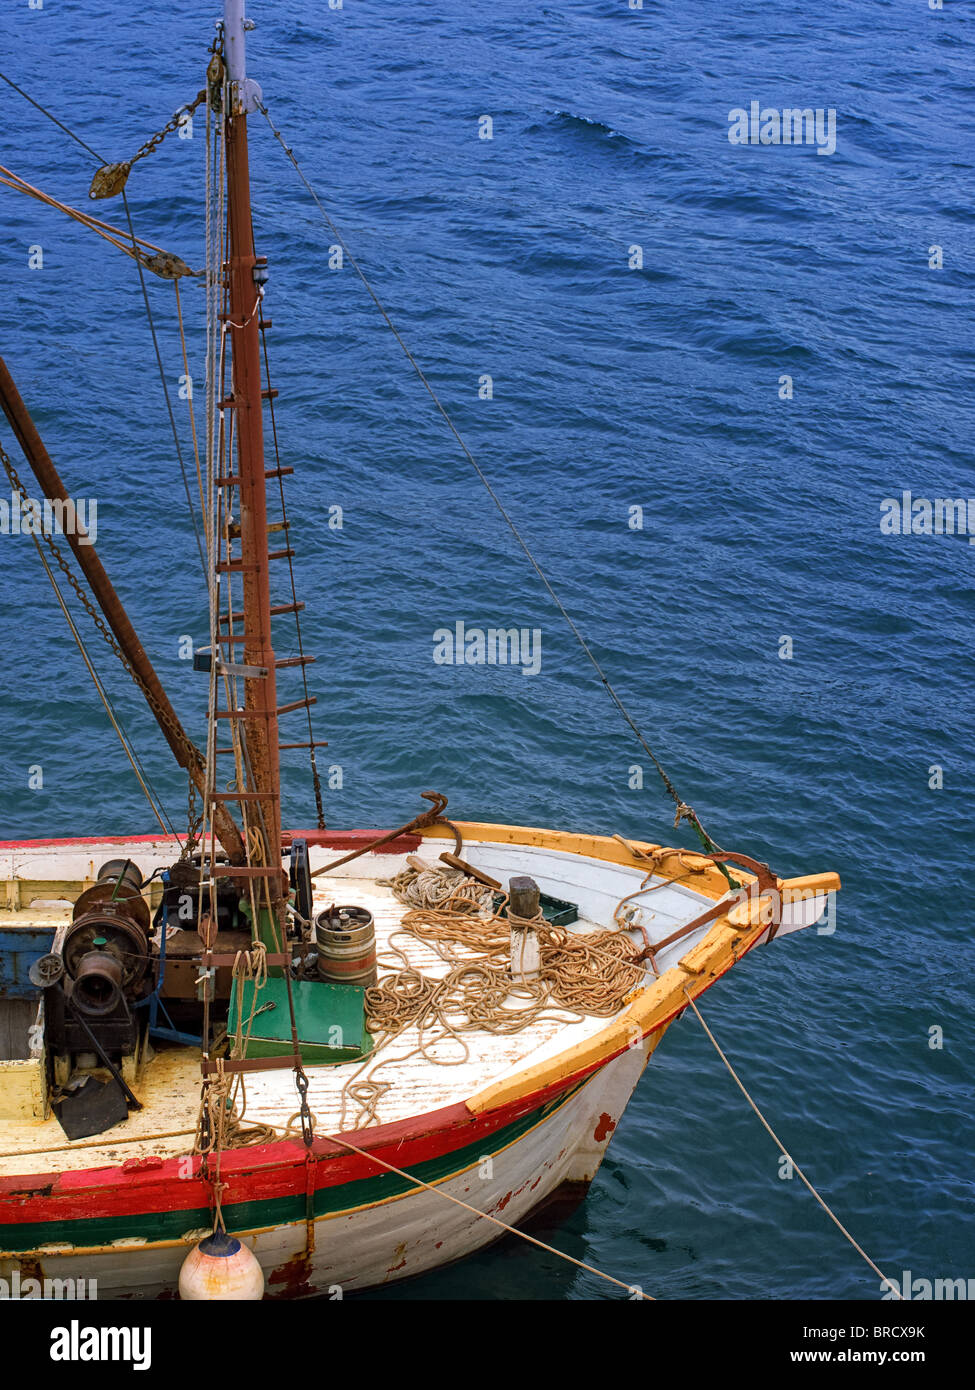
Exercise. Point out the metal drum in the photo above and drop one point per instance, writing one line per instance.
(346, 938)
(122, 869)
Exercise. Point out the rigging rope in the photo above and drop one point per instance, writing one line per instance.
(161, 715)
(17, 488)
(219, 1124)
(162, 263)
(889, 1283)
(155, 805)
(145, 297)
(164, 384)
(315, 777)
(683, 811)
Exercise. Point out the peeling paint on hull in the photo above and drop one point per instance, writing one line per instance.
(380, 1243)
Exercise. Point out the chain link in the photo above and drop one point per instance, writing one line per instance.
(307, 1121)
(110, 179)
(194, 820)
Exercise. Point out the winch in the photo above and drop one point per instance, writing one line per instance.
(105, 953)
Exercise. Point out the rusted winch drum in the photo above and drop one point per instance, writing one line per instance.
(346, 938)
(106, 948)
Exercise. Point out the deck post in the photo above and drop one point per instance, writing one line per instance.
(523, 899)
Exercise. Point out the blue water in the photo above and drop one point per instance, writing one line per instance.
(613, 388)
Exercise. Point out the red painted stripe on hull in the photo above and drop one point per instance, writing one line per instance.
(355, 839)
(90, 840)
(263, 1171)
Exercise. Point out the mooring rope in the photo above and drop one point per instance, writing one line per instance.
(785, 1153)
(632, 1289)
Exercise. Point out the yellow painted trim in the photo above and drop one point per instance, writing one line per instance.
(21, 893)
(808, 885)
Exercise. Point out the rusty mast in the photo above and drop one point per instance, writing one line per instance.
(244, 282)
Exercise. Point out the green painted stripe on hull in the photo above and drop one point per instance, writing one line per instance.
(273, 1211)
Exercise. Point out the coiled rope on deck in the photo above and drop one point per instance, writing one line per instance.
(580, 975)
(589, 973)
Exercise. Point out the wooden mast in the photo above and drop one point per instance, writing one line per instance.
(261, 718)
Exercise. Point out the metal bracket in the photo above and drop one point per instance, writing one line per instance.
(245, 96)
(204, 660)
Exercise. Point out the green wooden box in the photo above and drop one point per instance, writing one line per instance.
(330, 1020)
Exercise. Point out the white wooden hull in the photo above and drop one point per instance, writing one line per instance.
(393, 1240)
(522, 1116)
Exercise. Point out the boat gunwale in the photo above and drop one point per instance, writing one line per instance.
(722, 946)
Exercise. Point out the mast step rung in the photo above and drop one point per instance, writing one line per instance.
(244, 796)
(275, 610)
(203, 660)
(233, 479)
(279, 555)
(261, 323)
(298, 704)
(317, 743)
(233, 531)
(245, 713)
(295, 660)
(269, 394)
(235, 567)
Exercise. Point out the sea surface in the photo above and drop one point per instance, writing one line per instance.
(806, 679)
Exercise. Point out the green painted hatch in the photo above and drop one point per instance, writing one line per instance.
(330, 1020)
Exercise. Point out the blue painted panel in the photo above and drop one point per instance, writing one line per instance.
(19, 948)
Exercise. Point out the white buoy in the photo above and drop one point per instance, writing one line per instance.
(220, 1268)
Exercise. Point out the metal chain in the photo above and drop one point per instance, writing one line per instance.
(110, 179)
(307, 1120)
(194, 820)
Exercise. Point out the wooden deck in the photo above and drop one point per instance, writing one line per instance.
(407, 1083)
(169, 1086)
